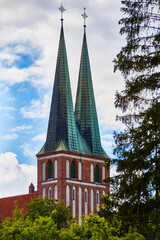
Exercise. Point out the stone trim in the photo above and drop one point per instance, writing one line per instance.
(86, 184)
(49, 182)
(73, 156)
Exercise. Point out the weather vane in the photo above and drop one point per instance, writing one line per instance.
(84, 15)
(62, 9)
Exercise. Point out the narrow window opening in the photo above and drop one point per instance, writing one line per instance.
(49, 194)
(97, 198)
(50, 170)
(96, 174)
(73, 170)
(86, 197)
(73, 194)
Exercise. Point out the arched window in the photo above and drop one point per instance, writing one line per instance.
(74, 194)
(67, 169)
(43, 192)
(43, 171)
(80, 171)
(86, 195)
(50, 170)
(49, 192)
(96, 174)
(80, 204)
(103, 173)
(55, 192)
(92, 200)
(98, 197)
(86, 200)
(67, 195)
(92, 173)
(74, 201)
(55, 169)
(73, 170)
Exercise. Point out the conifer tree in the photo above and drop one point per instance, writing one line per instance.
(136, 189)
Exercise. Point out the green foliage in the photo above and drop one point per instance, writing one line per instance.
(135, 191)
(45, 227)
(106, 210)
(40, 207)
(41, 228)
(95, 228)
(62, 215)
(45, 207)
(17, 212)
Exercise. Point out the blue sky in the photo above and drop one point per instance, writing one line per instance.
(29, 39)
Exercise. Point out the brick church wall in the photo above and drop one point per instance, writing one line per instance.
(63, 180)
(7, 203)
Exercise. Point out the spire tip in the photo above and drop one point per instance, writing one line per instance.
(84, 15)
(62, 9)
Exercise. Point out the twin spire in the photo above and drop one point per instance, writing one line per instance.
(79, 132)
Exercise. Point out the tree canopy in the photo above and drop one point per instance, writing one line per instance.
(40, 223)
(44, 207)
(136, 189)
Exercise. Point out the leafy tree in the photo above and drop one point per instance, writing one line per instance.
(40, 207)
(44, 227)
(62, 215)
(136, 189)
(45, 207)
(95, 228)
(107, 208)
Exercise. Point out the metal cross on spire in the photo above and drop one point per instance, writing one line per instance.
(84, 15)
(62, 9)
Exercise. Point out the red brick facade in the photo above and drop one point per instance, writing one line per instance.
(7, 204)
(63, 178)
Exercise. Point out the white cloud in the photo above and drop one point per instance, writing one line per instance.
(38, 22)
(7, 108)
(21, 128)
(9, 136)
(108, 136)
(29, 150)
(15, 178)
(40, 26)
(37, 108)
(40, 137)
(107, 143)
(113, 171)
(6, 98)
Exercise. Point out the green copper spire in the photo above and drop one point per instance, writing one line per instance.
(85, 109)
(62, 131)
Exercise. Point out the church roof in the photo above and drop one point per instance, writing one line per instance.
(62, 132)
(67, 131)
(85, 109)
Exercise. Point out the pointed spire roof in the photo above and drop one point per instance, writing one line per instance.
(85, 109)
(62, 132)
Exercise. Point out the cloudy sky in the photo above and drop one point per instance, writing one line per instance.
(29, 37)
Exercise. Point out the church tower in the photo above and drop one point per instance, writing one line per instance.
(71, 164)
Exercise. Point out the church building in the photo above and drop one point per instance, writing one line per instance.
(72, 163)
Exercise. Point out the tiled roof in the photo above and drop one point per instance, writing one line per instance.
(7, 203)
(62, 131)
(85, 110)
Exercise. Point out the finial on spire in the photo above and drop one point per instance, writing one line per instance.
(62, 9)
(84, 15)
